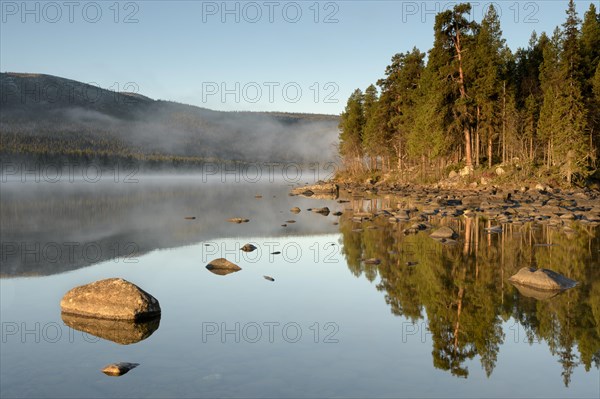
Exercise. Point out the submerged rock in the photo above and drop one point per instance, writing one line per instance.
(112, 298)
(443, 232)
(248, 248)
(118, 369)
(222, 266)
(238, 220)
(123, 332)
(542, 279)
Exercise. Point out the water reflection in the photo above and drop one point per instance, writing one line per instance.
(53, 228)
(462, 292)
(124, 332)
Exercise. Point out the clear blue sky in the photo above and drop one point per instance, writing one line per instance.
(191, 51)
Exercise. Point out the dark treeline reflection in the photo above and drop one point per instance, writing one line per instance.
(53, 228)
(462, 290)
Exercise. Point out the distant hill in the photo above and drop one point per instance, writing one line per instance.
(44, 116)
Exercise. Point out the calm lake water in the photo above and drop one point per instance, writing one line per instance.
(428, 321)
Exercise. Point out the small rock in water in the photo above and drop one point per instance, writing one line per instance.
(118, 369)
(190, 218)
(295, 210)
(238, 220)
(269, 278)
(222, 264)
(248, 248)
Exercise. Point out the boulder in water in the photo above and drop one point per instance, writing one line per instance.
(542, 279)
(112, 298)
(443, 232)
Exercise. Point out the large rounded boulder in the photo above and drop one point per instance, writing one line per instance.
(112, 298)
(542, 279)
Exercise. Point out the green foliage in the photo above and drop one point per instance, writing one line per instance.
(475, 101)
(351, 126)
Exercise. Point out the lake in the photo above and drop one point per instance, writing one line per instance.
(429, 320)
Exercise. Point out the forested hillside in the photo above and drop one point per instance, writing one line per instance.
(46, 117)
(473, 103)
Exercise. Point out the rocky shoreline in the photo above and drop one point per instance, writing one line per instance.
(541, 204)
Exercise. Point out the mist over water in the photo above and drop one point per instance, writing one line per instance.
(51, 228)
(112, 124)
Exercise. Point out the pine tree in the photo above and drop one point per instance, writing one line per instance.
(432, 116)
(590, 43)
(455, 32)
(563, 115)
(372, 141)
(351, 131)
(595, 120)
(401, 91)
(487, 67)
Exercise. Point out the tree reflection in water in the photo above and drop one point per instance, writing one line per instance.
(462, 290)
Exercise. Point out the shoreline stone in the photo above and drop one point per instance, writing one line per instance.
(112, 298)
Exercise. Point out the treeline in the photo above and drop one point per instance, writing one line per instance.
(474, 103)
